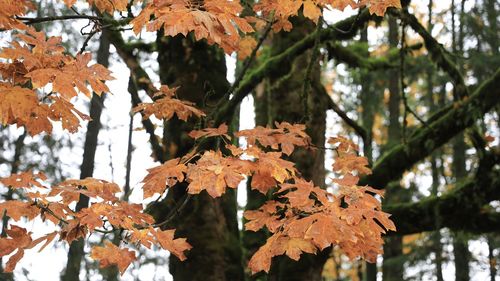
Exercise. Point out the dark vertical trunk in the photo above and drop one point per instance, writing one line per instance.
(284, 103)
(460, 243)
(491, 257)
(14, 168)
(369, 103)
(130, 148)
(210, 225)
(392, 267)
(75, 254)
(394, 90)
(437, 247)
(491, 7)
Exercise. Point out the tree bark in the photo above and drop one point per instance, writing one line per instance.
(369, 103)
(392, 266)
(210, 225)
(285, 102)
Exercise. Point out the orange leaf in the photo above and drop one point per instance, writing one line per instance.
(214, 173)
(175, 246)
(17, 209)
(210, 132)
(110, 254)
(167, 174)
(18, 239)
(165, 106)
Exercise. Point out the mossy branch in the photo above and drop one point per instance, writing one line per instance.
(345, 29)
(426, 139)
(459, 209)
(353, 59)
(436, 51)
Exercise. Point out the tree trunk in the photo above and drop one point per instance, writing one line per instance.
(392, 267)
(76, 253)
(210, 225)
(285, 102)
(437, 247)
(460, 243)
(491, 257)
(369, 103)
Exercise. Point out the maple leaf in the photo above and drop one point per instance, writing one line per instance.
(343, 145)
(265, 136)
(264, 216)
(47, 238)
(165, 106)
(20, 106)
(298, 193)
(324, 231)
(72, 230)
(57, 211)
(340, 4)
(18, 240)
(75, 73)
(217, 21)
(175, 246)
(293, 247)
(311, 10)
(378, 7)
(111, 254)
(167, 174)
(89, 218)
(349, 163)
(41, 45)
(348, 180)
(262, 181)
(64, 111)
(123, 214)
(271, 164)
(261, 259)
(214, 173)
(211, 132)
(10, 10)
(286, 136)
(17, 209)
(277, 245)
(70, 190)
(104, 5)
(24, 180)
(143, 237)
(246, 47)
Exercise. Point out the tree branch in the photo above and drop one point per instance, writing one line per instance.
(459, 209)
(333, 106)
(142, 81)
(342, 30)
(30, 21)
(437, 52)
(420, 144)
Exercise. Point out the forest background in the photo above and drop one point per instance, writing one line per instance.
(369, 83)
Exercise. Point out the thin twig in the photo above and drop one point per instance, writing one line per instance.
(86, 42)
(247, 64)
(31, 21)
(175, 211)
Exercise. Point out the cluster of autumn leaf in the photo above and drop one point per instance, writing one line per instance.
(39, 80)
(301, 216)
